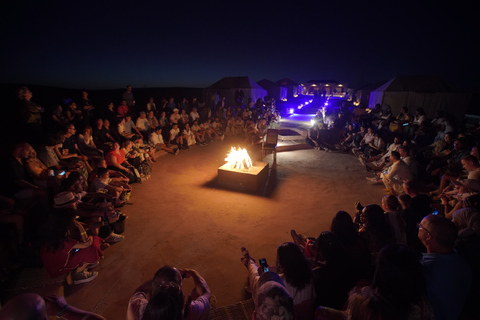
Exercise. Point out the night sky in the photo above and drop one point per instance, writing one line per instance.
(109, 44)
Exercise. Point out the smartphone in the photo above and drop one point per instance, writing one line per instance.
(264, 264)
(435, 211)
(76, 250)
(61, 173)
(405, 124)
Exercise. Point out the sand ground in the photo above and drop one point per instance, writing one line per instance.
(180, 217)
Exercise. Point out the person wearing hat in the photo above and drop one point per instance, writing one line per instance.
(67, 247)
(175, 117)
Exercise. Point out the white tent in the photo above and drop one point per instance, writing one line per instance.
(274, 90)
(430, 93)
(228, 85)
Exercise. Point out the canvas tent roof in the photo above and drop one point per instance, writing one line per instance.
(430, 93)
(228, 85)
(416, 84)
(234, 82)
(286, 82)
(274, 90)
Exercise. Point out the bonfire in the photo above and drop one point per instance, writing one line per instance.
(239, 158)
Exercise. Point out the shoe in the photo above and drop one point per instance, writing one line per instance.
(373, 180)
(114, 238)
(362, 161)
(84, 276)
(92, 265)
(176, 151)
(104, 246)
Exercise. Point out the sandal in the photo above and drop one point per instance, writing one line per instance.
(298, 238)
(246, 256)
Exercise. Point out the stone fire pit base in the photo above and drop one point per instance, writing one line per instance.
(252, 179)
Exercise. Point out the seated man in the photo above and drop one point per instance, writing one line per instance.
(156, 139)
(175, 117)
(261, 131)
(177, 137)
(198, 303)
(199, 133)
(131, 128)
(396, 174)
(448, 276)
(143, 126)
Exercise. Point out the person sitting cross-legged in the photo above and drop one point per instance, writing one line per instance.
(156, 140)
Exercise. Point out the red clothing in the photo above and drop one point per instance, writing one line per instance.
(122, 110)
(65, 260)
(120, 155)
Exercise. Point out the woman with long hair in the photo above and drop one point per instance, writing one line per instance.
(375, 229)
(167, 303)
(294, 269)
(66, 246)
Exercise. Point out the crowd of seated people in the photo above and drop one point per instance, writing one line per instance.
(415, 254)
(72, 169)
(391, 260)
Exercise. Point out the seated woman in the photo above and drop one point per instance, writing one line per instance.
(86, 144)
(334, 273)
(122, 133)
(66, 246)
(116, 160)
(295, 272)
(375, 229)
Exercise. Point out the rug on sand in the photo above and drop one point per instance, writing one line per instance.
(238, 311)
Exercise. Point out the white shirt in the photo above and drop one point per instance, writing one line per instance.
(156, 138)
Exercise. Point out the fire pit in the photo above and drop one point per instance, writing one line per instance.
(241, 173)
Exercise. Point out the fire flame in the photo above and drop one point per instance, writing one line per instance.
(239, 159)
